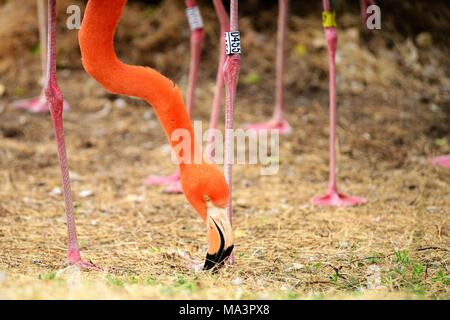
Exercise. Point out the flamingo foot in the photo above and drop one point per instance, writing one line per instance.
(281, 125)
(174, 188)
(231, 260)
(442, 161)
(162, 181)
(336, 199)
(173, 182)
(189, 262)
(75, 260)
(37, 104)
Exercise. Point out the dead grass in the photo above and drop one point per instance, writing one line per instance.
(286, 249)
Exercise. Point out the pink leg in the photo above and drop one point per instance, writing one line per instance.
(364, 4)
(333, 197)
(278, 121)
(55, 102)
(173, 182)
(215, 113)
(39, 104)
(231, 72)
(442, 161)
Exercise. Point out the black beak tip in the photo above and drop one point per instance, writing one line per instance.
(217, 260)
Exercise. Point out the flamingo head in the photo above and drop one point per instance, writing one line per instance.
(207, 191)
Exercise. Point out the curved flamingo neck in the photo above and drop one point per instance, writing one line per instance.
(96, 39)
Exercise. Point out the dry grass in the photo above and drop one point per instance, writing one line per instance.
(285, 247)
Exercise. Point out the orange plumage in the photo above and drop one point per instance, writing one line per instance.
(200, 181)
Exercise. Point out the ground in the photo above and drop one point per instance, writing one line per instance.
(393, 116)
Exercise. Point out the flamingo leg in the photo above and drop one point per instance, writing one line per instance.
(231, 72)
(333, 197)
(55, 100)
(442, 161)
(39, 104)
(215, 113)
(278, 121)
(364, 4)
(173, 181)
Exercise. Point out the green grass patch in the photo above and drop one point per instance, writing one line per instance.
(47, 276)
(114, 281)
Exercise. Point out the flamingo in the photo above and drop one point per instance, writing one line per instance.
(197, 36)
(39, 104)
(204, 184)
(173, 181)
(278, 121)
(333, 197)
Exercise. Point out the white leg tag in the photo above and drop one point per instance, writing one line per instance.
(233, 42)
(194, 18)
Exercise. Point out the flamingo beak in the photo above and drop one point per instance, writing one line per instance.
(220, 238)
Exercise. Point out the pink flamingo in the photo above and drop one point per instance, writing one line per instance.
(39, 104)
(204, 185)
(333, 197)
(278, 121)
(54, 99)
(197, 36)
(173, 181)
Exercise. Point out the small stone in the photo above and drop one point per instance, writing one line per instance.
(66, 73)
(134, 198)
(120, 103)
(86, 193)
(55, 192)
(344, 245)
(356, 87)
(237, 282)
(376, 219)
(27, 200)
(147, 145)
(242, 203)
(165, 149)
(23, 119)
(2, 277)
(74, 176)
(148, 115)
(295, 267)
(434, 108)
(258, 253)
(424, 40)
(433, 209)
